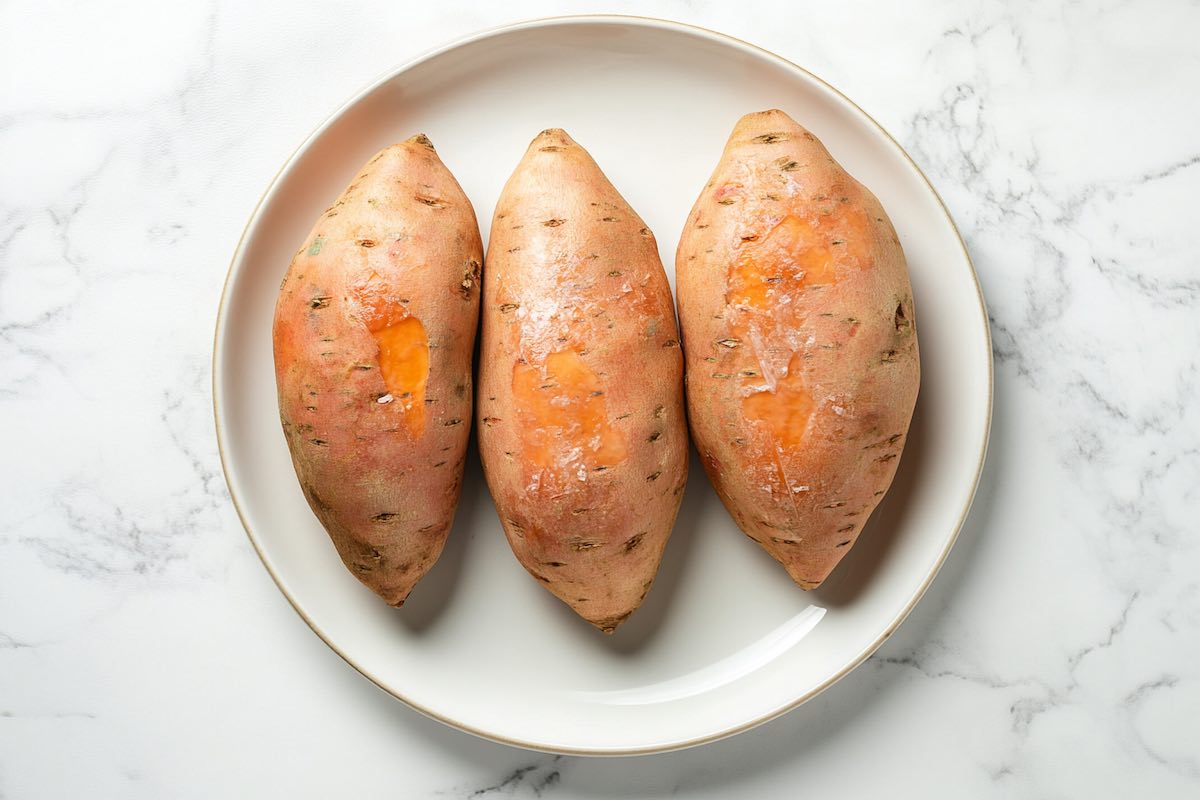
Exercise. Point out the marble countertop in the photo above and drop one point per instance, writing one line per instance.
(144, 650)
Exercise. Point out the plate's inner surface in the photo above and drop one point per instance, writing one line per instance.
(724, 638)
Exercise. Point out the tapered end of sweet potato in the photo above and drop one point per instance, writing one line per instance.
(760, 116)
(809, 576)
(609, 625)
(770, 127)
(420, 139)
(551, 140)
(767, 117)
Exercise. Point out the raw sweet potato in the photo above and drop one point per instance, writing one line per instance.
(581, 421)
(800, 343)
(374, 333)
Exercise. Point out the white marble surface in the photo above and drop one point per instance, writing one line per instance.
(144, 651)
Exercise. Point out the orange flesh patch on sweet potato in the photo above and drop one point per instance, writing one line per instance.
(785, 411)
(794, 254)
(566, 432)
(404, 364)
(785, 414)
(403, 350)
(765, 290)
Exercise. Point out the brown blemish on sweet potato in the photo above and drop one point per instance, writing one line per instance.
(895, 437)
(470, 278)
(315, 499)
(580, 544)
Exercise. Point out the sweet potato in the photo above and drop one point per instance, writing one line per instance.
(374, 334)
(581, 421)
(800, 343)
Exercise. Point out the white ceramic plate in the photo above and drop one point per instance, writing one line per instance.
(724, 640)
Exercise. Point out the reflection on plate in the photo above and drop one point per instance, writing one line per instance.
(724, 640)
(738, 664)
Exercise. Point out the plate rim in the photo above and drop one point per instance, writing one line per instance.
(550, 21)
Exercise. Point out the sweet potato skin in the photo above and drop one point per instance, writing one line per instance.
(581, 421)
(373, 338)
(800, 343)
